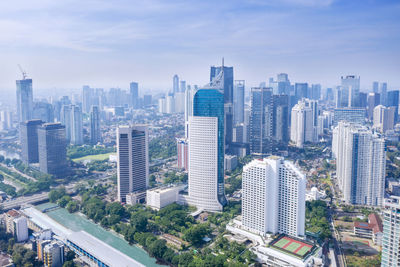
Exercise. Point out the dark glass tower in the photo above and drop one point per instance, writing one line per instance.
(52, 149)
(29, 141)
(210, 103)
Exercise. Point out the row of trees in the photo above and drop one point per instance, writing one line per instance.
(74, 152)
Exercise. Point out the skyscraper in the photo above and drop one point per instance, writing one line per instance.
(175, 84)
(182, 85)
(189, 94)
(206, 148)
(71, 117)
(29, 141)
(360, 164)
(273, 197)
(261, 120)
(134, 92)
(226, 83)
(280, 118)
(238, 102)
(351, 85)
(391, 233)
(52, 149)
(95, 133)
(301, 90)
(373, 101)
(393, 101)
(375, 87)
(87, 98)
(383, 93)
(24, 99)
(302, 129)
(133, 162)
(384, 118)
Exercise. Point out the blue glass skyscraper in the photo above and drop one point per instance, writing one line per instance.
(209, 102)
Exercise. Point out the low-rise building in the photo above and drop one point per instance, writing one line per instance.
(17, 225)
(372, 230)
(158, 198)
(53, 254)
(231, 162)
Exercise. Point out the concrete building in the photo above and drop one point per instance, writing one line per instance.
(175, 84)
(170, 104)
(52, 149)
(43, 111)
(24, 99)
(95, 132)
(391, 233)
(189, 94)
(133, 161)
(29, 141)
(16, 224)
(351, 85)
(158, 198)
(273, 197)
(183, 153)
(179, 102)
(134, 93)
(354, 115)
(302, 129)
(384, 118)
(231, 162)
(162, 105)
(71, 117)
(372, 230)
(53, 254)
(360, 164)
(238, 101)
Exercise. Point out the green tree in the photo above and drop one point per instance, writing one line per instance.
(56, 194)
(62, 202)
(72, 206)
(157, 248)
(139, 221)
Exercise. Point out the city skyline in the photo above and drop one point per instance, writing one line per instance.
(119, 43)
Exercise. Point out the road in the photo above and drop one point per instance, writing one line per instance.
(13, 169)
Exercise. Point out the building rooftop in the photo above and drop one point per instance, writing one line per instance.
(374, 219)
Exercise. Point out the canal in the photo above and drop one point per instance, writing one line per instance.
(78, 222)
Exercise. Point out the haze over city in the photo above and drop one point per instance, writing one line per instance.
(66, 44)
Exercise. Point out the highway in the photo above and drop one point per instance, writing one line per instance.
(18, 202)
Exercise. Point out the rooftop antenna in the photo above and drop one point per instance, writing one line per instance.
(24, 76)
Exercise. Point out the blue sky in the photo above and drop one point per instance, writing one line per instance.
(104, 43)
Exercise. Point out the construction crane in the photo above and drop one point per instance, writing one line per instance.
(24, 76)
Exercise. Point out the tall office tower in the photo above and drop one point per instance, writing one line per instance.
(183, 153)
(189, 93)
(43, 111)
(134, 93)
(329, 95)
(383, 91)
(384, 118)
(391, 233)
(362, 100)
(351, 85)
(375, 87)
(24, 99)
(170, 104)
(175, 84)
(65, 119)
(227, 86)
(341, 97)
(95, 133)
(6, 120)
(87, 98)
(360, 164)
(301, 90)
(302, 129)
(283, 84)
(280, 118)
(273, 197)
(182, 86)
(206, 148)
(393, 101)
(315, 91)
(29, 141)
(261, 120)
(238, 102)
(52, 149)
(179, 102)
(133, 162)
(147, 100)
(162, 105)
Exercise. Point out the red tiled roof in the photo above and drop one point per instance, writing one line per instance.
(374, 219)
(13, 213)
(363, 225)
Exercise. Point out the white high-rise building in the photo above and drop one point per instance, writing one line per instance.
(302, 129)
(273, 197)
(203, 163)
(391, 233)
(162, 105)
(170, 104)
(351, 88)
(383, 118)
(175, 84)
(76, 126)
(189, 93)
(360, 164)
(133, 162)
(179, 101)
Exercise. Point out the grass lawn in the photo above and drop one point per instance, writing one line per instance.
(98, 157)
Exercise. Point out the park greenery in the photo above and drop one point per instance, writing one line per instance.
(317, 218)
(143, 226)
(162, 147)
(74, 152)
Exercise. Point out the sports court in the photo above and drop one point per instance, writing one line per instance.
(293, 246)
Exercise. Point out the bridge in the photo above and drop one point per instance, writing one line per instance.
(18, 202)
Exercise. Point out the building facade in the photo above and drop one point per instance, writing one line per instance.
(360, 164)
(95, 132)
(133, 161)
(29, 141)
(24, 100)
(273, 197)
(391, 233)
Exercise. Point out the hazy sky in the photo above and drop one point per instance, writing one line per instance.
(108, 43)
